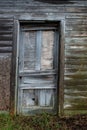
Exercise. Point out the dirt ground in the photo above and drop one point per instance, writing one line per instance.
(43, 122)
(78, 122)
(46, 122)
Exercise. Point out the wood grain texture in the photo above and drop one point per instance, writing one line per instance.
(37, 86)
(75, 92)
(6, 35)
(74, 53)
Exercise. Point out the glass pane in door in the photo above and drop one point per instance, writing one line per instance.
(29, 40)
(47, 50)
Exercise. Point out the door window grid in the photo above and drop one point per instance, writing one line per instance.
(37, 56)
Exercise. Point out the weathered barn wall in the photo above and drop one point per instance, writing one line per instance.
(76, 63)
(4, 81)
(6, 31)
(74, 14)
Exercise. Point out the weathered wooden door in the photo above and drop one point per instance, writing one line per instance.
(38, 68)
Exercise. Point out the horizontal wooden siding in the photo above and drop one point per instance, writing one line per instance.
(6, 32)
(75, 76)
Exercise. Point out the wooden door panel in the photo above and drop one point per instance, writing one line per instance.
(28, 98)
(38, 79)
(37, 97)
(46, 98)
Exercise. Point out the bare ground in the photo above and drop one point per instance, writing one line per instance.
(43, 122)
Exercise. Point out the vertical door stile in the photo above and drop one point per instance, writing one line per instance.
(57, 50)
(21, 50)
(21, 99)
(38, 50)
(41, 93)
(21, 68)
(57, 67)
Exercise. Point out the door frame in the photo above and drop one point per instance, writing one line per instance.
(14, 64)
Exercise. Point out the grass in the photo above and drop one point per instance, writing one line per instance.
(5, 122)
(38, 122)
(43, 122)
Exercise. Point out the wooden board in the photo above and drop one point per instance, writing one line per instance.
(75, 90)
(6, 39)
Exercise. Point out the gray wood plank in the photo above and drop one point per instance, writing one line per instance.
(38, 50)
(37, 73)
(21, 51)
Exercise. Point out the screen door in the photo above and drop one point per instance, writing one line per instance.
(38, 68)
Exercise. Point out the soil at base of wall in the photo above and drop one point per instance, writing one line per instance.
(43, 122)
(78, 122)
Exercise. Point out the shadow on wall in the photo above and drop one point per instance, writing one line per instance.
(55, 1)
